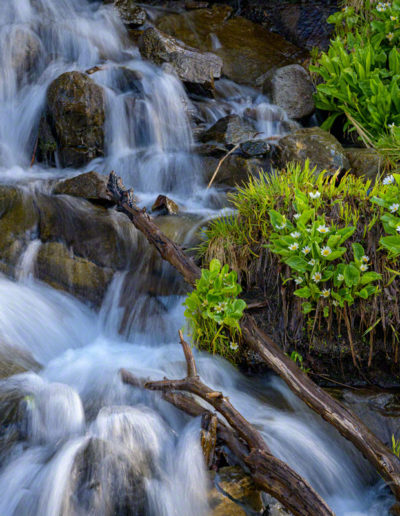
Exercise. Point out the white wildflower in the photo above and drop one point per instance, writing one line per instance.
(388, 180)
(363, 267)
(326, 292)
(394, 207)
(315, 195)
(298, 281)
(326, 251)
(323, 229)
(233, 346)
(295, 234)
(317, 277)
(294, 247)
(340, 277)
(306, 249)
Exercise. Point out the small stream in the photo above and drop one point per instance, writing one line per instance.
(88, 444)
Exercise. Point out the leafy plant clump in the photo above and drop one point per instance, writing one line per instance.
(359, 74)
(321, 241)
(213, 311)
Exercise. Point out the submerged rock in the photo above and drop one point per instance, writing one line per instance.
(236, 492)
(25, 50)
(321, 148)
(366, 163)
(190, 65)
(91, 186)
(72, 127)
(247, 49)
(105, 480)
(290, 88)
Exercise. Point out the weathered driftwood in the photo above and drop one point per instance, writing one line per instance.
(268, 472)
(349, 425)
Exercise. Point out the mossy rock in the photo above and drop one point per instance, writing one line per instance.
(91, 186)
(73, 121)
(321, 148)
(367, 163)
(58, 267)
(18, 218)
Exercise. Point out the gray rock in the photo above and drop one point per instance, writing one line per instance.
(130, 13)
(91, 186)
(165, 205)
(290, 88)
(72, 128)
(230, 130)
(192, 66)
(253, 148)
(321, 148)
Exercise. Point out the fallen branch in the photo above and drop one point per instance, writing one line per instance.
(268, 472)
(220, 164)
(350, 426)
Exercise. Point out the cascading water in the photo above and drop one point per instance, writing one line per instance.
(77, 441)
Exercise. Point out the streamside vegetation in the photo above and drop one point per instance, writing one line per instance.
(324, 252)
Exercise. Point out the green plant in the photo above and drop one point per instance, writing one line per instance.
(314, 252)
(213, 311)
(396, 446)
(361, 69)
(298, 359)
(389, 200)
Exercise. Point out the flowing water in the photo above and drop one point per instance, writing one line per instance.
(85, 443)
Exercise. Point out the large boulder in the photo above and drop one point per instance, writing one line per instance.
(247, 49)
(190, 65)
(290, 88)
(72, 128)
(319, 147)
(91, 186)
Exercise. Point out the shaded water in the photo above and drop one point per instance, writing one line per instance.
(82, 442)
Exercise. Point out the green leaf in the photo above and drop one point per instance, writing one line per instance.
(297, 263)
(358, 251)
(307, 308)
(351, 275)
(369, 277)
(304, 292)
(215, 265)
(336, 254)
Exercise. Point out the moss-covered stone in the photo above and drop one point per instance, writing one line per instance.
(58, 267)
(365, 162)
(321, 148)
(91, 186)
(74, 120)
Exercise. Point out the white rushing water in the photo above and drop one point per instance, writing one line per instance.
(83, 442)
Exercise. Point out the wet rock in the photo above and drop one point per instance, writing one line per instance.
(195, 5)
(290, 88)
(15, 361)
(321, 148)
(192, 67)
(25, 50)
(238, 493)
(365, 162)
(247, 49)
(90, 231)
(234, 171)
(105, 480)
(131, 14)
(72, 128)
(91, 186)
(165, 205)
(253, 148)
(63, 270)
(230, 130)
(18, 219)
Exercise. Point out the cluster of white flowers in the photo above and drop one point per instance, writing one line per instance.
(382, 6)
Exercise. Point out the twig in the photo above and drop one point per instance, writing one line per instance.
(220, 163)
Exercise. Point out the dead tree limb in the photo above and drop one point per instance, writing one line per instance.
(269, 473)
(350, 426)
